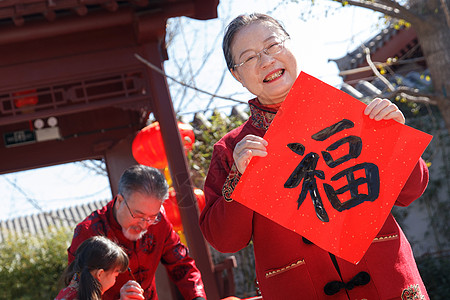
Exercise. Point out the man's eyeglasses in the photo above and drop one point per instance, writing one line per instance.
(151, 220)
(273, 49)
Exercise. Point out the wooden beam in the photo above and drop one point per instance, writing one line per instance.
(69, 25)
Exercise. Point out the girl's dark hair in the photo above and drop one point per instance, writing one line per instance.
(97, 252)
(240, 22)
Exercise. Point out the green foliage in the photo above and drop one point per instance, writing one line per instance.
(205, 138)
(435, 272)
(30, 266)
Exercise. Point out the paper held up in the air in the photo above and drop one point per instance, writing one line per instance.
(332, 174)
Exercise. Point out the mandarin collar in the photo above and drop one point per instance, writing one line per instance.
(110, 215)
(261, 116)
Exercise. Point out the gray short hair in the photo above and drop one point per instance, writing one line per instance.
(143, 179)
(240, 22)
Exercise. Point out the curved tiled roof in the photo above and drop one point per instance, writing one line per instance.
(357, 57)
(365, 89)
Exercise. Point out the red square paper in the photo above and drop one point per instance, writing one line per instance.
(376, 158)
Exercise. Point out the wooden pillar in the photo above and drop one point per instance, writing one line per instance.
(165, 114)
(117, 160)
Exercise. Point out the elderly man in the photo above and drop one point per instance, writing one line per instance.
(135, 221)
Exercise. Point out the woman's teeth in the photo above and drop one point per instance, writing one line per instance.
(273, 76)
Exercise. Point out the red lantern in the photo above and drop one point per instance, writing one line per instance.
(25, 98)
(148, 148)
(172, 211)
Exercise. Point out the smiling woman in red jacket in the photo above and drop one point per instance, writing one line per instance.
(256, 48)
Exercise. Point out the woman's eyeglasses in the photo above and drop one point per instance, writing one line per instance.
(254, 58)
(151, 220)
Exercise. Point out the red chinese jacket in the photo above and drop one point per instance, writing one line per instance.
(70, 292)
(291, 267)
(159, 244)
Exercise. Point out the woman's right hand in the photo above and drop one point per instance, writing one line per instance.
(251, 145)
(131, 290)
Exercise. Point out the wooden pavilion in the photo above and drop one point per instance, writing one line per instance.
(72, 89)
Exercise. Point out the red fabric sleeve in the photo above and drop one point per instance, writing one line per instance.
(415, 185)
(227, 225)
(181, 268)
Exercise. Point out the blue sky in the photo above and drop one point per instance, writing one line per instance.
(315, 41)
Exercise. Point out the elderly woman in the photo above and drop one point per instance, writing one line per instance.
(288, 266)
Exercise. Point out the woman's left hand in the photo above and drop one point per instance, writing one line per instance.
(384, 109)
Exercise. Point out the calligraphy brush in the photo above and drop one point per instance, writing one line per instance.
(131, 274)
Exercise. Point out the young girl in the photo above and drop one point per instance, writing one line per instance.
(98, 261)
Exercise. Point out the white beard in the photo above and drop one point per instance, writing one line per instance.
(133, 236)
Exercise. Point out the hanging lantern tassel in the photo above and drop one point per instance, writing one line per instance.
(148, 148)
(167, 176)
(182, 237)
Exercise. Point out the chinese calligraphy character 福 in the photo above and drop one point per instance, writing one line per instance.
(306, 172)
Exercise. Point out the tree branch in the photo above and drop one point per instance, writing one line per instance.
(158, 70)
(381, 65)
(387, 7)
(394, 4)
(404, 13)
(375, 70)
(413, 95)
(217, 89)
(403, 91)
